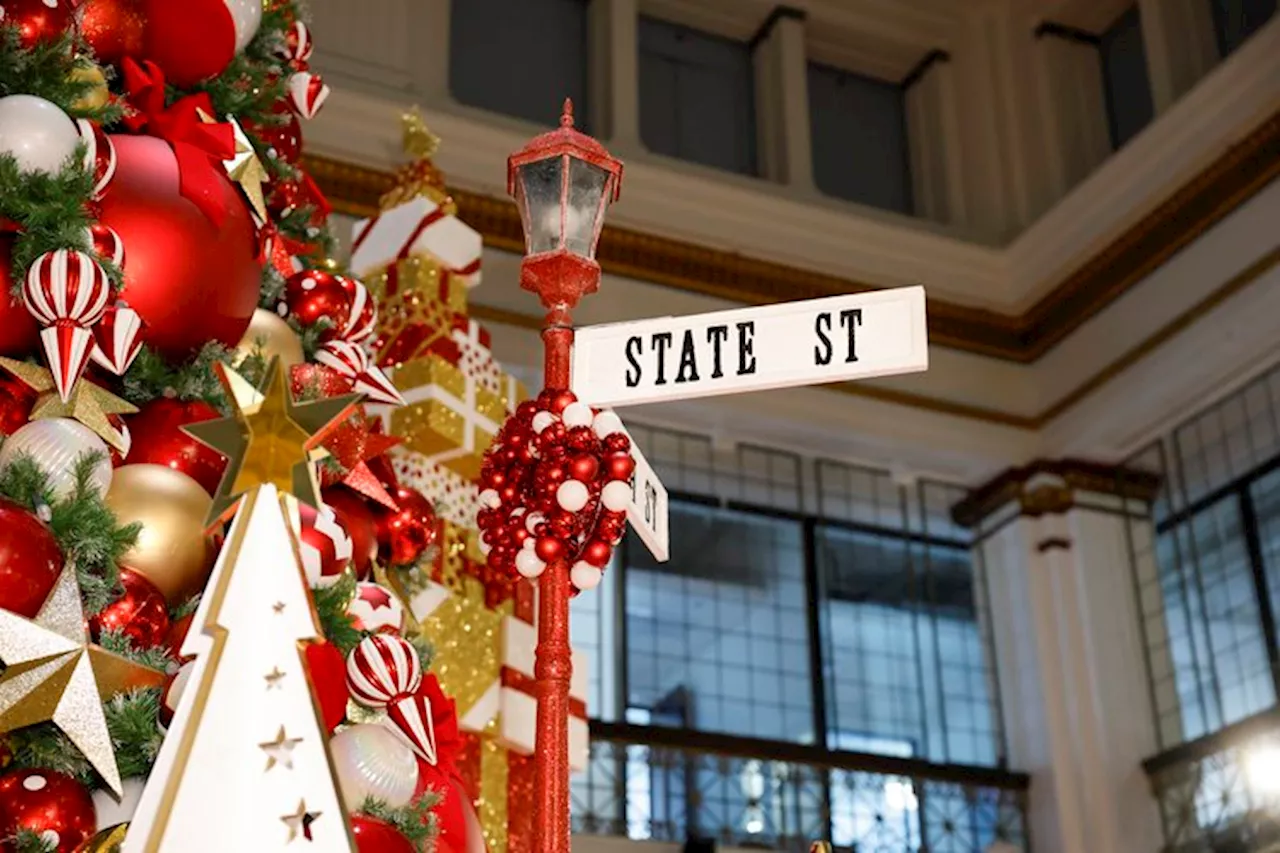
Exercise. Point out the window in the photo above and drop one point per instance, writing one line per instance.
(1209, 571)
(1124, 74)
(1236, 20)
(521, 58)
(859, 135)
(697, 97)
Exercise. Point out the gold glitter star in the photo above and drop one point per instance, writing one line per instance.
(275, 441)
(280, 750)
(89, 404)
(55, 674)
(299, 822)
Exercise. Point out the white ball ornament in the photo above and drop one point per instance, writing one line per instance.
(542, 420)
(371, 761)
(39, 135)
(55, 445)
(531, 523)
(577, 415)
(528, 564)
(489, 498)
(606, 424)
(530, 543)
(585, 576)
(572, 495)
(247, 17)
(616, 495)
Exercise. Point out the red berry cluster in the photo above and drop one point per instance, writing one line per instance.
(556, 484)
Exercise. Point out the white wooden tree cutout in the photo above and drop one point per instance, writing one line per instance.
(245, 765)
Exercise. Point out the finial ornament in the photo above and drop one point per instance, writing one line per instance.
(418, 141)
(566, 117)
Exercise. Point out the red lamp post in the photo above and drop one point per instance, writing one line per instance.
(562, 182)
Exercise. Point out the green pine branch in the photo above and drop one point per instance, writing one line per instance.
(331, 606)
(29, 841)
(45, 70)
(416, 821)
(120, 643)
(151, 377)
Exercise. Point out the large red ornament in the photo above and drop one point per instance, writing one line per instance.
(140, 612)
(30, 560)
(189, 280)
(192, 40)
(158, 438)
(113, 28)
(46, 803)
(377, 836)
(19, 332)
(357, 519)
(329, 679)
(38, 20)
(405, 534)
(16, 402)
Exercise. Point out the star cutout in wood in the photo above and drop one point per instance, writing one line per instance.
(91, 405)
(280, 750)
(273, 678)
(275, 441)
(55, 674)
(299, 822)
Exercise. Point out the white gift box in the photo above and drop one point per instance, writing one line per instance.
(417, 227)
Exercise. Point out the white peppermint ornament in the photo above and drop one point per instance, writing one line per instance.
(39, 135)
(55, 445)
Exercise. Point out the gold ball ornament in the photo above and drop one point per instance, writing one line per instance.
(96, 97)
(108, 840)
(173, 550)
(275, 338)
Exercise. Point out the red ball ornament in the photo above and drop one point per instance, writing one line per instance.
(549, 549)
(189, 280)
(328, 670)
(192, 40)
(19, 332)
(284, 139)
(140, 613)
(617, 443)
(377, 836)
(584, 468)
(597, 552)
(357, 519)
(113, 28)
(620, 466)
(16, 402)
(315, 295)
(405, 534)
(37, 21)
(49, 804)
(30, 560)
(158, 439)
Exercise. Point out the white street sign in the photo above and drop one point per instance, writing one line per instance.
(815, 341)
(647, 511)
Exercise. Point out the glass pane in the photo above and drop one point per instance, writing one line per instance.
(540, 185)
(716, 638)
(586, 188)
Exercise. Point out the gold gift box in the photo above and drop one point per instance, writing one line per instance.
(448, 417)
(422, 276)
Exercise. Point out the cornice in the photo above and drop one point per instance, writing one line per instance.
(1188, 212)
(1050, 486)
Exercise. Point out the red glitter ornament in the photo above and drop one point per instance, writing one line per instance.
(16, 402)
(158, 439)
(38, 21)
(30, 560)
(315, 295)
(284, 139)
(404, 535)
(48, 804)
(113, 28)
(140, 612)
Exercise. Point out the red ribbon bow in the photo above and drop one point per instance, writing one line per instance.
(199, 146)
(444, 720)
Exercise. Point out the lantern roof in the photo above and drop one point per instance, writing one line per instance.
(565, 139)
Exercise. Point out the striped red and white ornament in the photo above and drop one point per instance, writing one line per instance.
(362, 320)
(324, 544)
(99, 155)
(297, 45)
(307, 93)
(117, 338)
(350, 360)
(414, 722)
(67, 291)
(383, 669)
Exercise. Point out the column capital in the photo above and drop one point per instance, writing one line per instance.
(1052, 487)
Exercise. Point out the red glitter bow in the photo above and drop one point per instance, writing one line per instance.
(199, 146)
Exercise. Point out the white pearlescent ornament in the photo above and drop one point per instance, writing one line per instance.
(371, 761)
(542, 420)
(577, 415)
(39, 135)
(606, 424)
(585, 576)
(572, 495)
(616, 495)
(55, 445)
(528, 563)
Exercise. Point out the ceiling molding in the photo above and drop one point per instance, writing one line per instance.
(1233, 178)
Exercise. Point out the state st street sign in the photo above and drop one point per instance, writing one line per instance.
(812, 342)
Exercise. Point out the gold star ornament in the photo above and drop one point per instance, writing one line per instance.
(53, 673)
(91, 405)
(274, 440)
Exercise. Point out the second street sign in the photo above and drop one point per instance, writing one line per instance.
(839, 338)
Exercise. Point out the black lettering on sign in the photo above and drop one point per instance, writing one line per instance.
(650, 504)
(851, 318)
(746, 345)
(661, 343)
(634, 346)
(717, 335)
(821, 326)
(688, 360)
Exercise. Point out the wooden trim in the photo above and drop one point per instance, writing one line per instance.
(1241, 172)
(922, 67)
(775, 15)
(1067, 33)
(1068, 477)
(1053, 543)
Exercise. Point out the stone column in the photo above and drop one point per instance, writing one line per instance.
(613, 56)
(782, 99)
(1181, 46)
(1053, 544)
